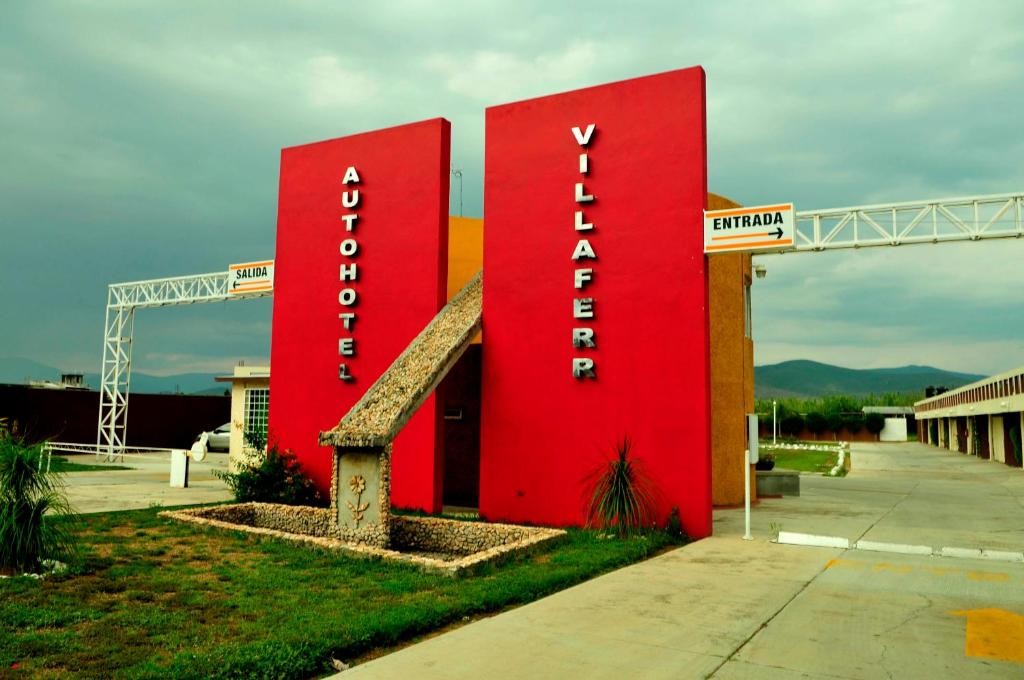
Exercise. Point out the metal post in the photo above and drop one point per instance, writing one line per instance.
(746, 495)
(774, 428)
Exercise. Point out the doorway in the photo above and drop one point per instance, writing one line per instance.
(459, 393)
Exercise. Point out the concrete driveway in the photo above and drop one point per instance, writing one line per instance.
(728, 608)
(145, 485)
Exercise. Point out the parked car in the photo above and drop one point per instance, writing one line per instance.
(220, 438)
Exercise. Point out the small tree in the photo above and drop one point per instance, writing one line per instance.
(835, 422)
(853, 423)
(874, 422)
(816, 423)
(32, 503)
(792, 424)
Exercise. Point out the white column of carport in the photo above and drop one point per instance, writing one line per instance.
(996, 441)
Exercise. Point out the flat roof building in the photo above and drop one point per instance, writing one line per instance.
(984, 418)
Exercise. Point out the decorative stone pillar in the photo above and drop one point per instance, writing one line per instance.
(361, 494)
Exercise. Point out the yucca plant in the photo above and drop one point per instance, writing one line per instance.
(621, 496)
(31, 499)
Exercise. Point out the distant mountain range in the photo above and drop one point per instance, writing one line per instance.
(802, 378)
(798, 378)
(18, 370)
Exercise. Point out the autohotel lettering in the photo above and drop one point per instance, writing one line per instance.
(583, 307)
(348, 272)
(743, 221)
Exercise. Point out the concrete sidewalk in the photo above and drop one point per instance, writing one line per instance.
(728, 608)
(904, 493)
(145, 485)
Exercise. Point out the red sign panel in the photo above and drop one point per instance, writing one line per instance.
(361, 268)
(595, 298)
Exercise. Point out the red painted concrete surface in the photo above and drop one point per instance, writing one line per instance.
(402, 259)
(543, 431)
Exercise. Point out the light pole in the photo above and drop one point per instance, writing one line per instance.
(457, 174)
(774, 430)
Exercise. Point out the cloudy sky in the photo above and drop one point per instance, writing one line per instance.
(140, 140)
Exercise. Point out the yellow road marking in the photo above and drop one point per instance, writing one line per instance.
(973, 574)
(993, 634)
(993, 576)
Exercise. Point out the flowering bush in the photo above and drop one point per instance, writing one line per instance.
(273, 477)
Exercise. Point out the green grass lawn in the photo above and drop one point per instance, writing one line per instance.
(62, 464)
(159, 598)
(804, 460)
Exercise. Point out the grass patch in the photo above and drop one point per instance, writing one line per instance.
(62, 464)
(804, 460)
(157, 598)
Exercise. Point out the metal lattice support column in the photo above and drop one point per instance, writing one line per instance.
(115, 378)
(970, 218)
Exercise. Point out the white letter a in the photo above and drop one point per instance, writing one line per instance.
(350, 175)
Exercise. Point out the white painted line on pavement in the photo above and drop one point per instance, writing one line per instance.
(967, 553)
(795, 538)
(901, 548)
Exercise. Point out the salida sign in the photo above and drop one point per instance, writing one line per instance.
(251, 277)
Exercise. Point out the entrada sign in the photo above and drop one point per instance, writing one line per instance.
(251, 277)
(766, 227)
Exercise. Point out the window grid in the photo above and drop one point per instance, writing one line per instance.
(257, 405)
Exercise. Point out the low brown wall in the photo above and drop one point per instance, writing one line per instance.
(160, 420)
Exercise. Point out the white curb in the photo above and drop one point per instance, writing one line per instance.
(966, 553)
(902, 548)
(794, 538)
(1002, 555)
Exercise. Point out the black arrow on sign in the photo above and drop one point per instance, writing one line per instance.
(235, 285)
(777, 232)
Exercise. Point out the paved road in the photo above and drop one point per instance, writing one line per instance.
(728, 608)
(147, 484)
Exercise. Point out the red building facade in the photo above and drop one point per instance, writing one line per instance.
(595, 309)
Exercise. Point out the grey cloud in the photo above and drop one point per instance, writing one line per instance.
(142, 140)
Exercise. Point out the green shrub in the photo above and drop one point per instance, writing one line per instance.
(835, 421)
(816, 423)
(32, 503)
(255, 439)
(792, 424)
(874, 422)
(620, 496)
(273, 477)
(674, 525)
(853, 423)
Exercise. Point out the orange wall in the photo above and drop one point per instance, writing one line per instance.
(465, 253)
(732, 370)
(732, 354)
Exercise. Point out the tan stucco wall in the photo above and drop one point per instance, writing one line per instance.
(238, 387)
(732, 370)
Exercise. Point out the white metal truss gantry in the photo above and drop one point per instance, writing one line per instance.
(971, 218)
(122, 301)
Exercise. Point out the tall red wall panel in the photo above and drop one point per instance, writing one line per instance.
(544, 430)
(399, 245)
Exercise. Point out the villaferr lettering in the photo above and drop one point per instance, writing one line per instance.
(348, 272)
(583, 307)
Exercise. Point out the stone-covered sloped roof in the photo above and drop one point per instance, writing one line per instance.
(386, 407)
